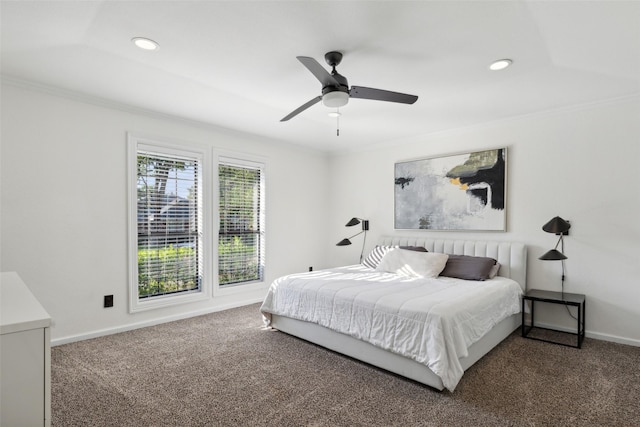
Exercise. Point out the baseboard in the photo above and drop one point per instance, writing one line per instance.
(594, 335)
(613, 338)
(132, 326)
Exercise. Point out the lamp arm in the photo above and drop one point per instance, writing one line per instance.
(560, 240)
(357, 234)
(364, 239)
(561, 243)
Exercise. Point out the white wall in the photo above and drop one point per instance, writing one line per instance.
(64, 212)
(580, 164)
(64, 206)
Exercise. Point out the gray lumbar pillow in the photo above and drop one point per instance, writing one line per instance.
(468, 267)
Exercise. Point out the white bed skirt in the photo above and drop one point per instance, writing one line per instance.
(384, 359)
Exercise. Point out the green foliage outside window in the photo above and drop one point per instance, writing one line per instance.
(177, 274)
(238, 261)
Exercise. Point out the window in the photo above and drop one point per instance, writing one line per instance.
(241, 232)
(167, 230)
(171, 218)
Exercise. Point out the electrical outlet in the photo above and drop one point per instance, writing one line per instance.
(108, 301)
(310, 268)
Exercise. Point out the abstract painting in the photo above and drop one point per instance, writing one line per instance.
(457, 192)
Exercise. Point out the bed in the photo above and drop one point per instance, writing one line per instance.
(411, 326)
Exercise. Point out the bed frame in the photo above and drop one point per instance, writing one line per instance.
(513, 260)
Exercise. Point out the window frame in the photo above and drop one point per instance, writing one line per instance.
(250, 161)
(136, 144)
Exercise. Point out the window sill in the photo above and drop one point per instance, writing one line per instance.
(167, 301)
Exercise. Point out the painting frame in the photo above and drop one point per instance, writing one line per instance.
(452, 192)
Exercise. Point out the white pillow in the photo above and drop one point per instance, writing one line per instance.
(412, 263)
(375, 256)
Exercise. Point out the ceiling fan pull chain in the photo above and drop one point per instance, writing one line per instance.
(338, 122)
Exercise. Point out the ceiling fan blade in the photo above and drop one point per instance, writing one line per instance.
(318, 70)
(301, 108)
(381, 95)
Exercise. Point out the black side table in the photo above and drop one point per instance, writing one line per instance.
(564, 298)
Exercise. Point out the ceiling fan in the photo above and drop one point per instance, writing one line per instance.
(335, 88)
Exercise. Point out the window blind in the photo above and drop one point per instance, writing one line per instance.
(241, 232)
(169, 215)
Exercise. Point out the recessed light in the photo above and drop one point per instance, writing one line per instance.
(145, 43)
(500, 64)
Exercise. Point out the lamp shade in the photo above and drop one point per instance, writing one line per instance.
(352, 222)
(344, 242)
(553, 255)
(557, 225)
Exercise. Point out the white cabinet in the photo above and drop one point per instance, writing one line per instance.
(25, 356)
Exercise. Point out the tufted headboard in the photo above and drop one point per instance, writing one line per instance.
(512, 256)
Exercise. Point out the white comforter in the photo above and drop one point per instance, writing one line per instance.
(433, 321)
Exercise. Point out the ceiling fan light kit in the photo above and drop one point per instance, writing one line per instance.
(335, 99)
(335, 87)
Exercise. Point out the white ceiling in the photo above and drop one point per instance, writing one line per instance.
(233, 63)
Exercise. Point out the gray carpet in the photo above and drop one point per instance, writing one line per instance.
(225, 369)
